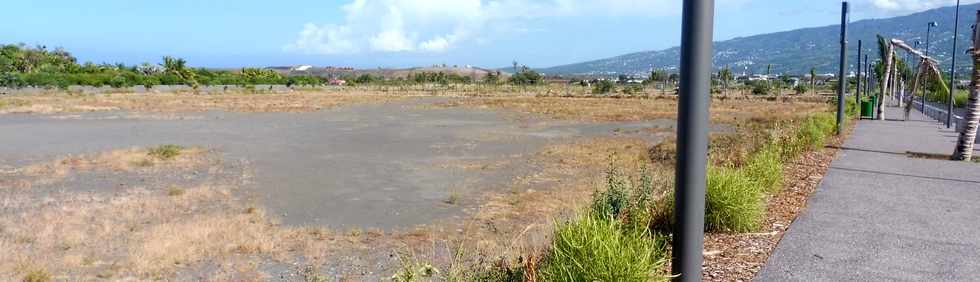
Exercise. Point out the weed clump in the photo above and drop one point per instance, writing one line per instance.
(733, 201)
(765, 167)
(175, 191)
(612, 240)
(165, 152)
(37, 275)
(595, 248)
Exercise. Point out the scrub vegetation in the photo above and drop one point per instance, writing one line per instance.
(629, 221)
(614, 230)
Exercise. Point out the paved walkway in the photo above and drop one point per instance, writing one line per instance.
(881, 216)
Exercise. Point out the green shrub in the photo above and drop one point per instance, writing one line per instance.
(592, 248)
(733, 201)
(603, 87)
(165, 152)
(626, 200)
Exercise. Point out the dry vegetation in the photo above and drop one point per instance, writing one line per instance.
(208, 232)
(614, 109)
(136, 160)
(176, 102)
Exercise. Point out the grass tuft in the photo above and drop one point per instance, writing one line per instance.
(594, 248)
(165, 152)
(175, 191)
(733, 201)
(37, 275)
(765, 167)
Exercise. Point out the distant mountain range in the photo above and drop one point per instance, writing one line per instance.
(796, 51)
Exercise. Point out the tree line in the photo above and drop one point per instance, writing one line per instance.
(38, 66)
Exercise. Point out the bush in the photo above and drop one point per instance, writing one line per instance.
(603, 87)
(801, 88)
(628, 201)
(760, 88)
(594, 248)
(733, 201)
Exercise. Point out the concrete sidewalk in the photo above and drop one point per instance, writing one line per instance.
(879, 215)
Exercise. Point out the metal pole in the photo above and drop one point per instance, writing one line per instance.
(867, 75)
(857, 88)
(842, 79)
(928, 33)
(692, 138)
(952, 69)
(918, 62)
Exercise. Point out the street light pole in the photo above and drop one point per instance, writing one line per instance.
(692, 138)
(867, 75)
(918, 64)
(952, 69)
(857, 88)
(928, 33)
(842, 78)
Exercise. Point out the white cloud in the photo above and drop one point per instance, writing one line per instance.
(440, 25)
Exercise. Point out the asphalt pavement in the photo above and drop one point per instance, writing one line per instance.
(879, 215)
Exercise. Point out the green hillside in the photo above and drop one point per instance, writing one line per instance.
(796, 51)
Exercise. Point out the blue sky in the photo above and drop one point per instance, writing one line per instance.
(397, 33)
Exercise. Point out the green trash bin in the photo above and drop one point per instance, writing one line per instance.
(868, 108)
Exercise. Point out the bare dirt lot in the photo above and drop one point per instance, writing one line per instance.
(306, 186)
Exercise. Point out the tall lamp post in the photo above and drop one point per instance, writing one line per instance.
(952, 68)
(697, 28)
(842, 78)
(928, 33)
(857, 88)
(917, 63)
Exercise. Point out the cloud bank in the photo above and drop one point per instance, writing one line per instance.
(440, 25)
(433, 26)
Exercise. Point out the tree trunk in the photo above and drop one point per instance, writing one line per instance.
(886, 72)
(964, 145)
(915, 86)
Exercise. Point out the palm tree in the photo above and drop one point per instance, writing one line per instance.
(178, 67)
(887, 53)
(725, 75)
(964, 145)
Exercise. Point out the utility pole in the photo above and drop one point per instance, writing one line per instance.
(857, 88)
(692, 138)
(842, 79)
(952, 69)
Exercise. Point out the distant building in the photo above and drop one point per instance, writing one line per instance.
(338, 82)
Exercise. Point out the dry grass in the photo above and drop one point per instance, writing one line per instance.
(138, 160)
(137, 234)
(729, 111)
(141, 233)
(172, 102)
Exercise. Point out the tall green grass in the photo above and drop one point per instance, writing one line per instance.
(733, 201)
(597, 248)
